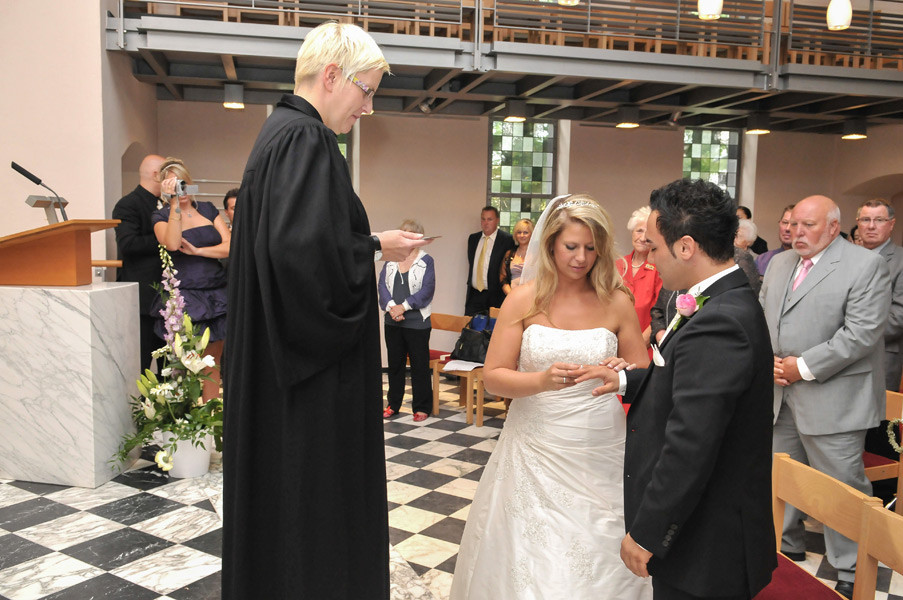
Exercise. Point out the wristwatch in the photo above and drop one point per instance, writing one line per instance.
(377, 247)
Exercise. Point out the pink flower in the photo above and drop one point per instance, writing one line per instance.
(686, 305)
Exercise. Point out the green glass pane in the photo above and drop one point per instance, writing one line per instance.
(496, 143)
(537, 144)
(537, 174)
(536, 187)
(496, 172)
(695, 165)
(548, 160)
(722, 164)
(516, 187)
(505, 219)
(495, 187)
(515, 174)
(506, 142)
(706, 136)
(506, 173)
(506, 186)
(497, 157)
(687, 162)
(547, 176)
(537, 158)
(507, 128)
(504, 204)
(517, 158)
(515, 204)
(517, 129)
(497, 127)
(546, 188)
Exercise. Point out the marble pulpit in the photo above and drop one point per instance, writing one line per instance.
(69, 357)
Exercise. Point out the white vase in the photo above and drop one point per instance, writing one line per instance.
(188, 460)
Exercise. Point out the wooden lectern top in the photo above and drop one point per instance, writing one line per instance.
(58, 254)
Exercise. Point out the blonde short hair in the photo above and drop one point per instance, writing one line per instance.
(345, 45)
(173, 166)
(639, 216)
(412, 226)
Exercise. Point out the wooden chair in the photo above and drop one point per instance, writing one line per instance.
(470, 381)
(882, 540)
(878, 467)
(831, 502)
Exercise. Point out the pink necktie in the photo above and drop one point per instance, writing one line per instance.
(807, 264)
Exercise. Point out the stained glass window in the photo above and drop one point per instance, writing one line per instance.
(714, 156)
(521, 169)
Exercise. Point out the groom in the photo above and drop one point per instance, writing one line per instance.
(697, 466)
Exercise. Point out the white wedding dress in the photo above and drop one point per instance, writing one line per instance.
(547, 519)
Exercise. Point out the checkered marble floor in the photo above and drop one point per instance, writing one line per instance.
(146, 536)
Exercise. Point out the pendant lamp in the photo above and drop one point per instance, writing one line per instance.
(839, 15)
(709, 10)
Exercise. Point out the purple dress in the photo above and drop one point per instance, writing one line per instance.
(202, 280)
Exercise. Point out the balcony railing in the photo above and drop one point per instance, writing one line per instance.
(748, 29)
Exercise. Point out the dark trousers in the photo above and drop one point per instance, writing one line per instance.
(403, 343)
(149, 341)
(663, 591)
(476, 301)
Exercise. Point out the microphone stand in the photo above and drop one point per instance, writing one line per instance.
(59, 202)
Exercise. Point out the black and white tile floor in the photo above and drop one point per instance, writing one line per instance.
(145, 536)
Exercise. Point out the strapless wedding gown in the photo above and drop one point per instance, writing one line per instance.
(547, 519)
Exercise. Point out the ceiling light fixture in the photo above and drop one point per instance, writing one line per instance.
(709, 10)
(839, 14)
(855, 129)
(758, 124)
(628, 117)
(234, 96)
(515, 111)
(568, 2)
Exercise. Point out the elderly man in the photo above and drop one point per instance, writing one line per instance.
(786, 239)
(876, 223)
(137, 248)
(826, 305)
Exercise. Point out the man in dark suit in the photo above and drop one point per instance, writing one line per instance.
(137, 248)
(485, 251)
(697, 465)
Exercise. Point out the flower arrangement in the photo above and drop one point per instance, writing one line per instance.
(172, 402)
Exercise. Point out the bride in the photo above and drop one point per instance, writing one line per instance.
(547, 518)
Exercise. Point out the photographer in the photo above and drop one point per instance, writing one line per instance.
(196, 236)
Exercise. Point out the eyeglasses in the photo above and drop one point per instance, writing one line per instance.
(368, 92)
(867, 221)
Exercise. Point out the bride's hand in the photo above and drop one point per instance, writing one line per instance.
(557, 376)
(609, 376)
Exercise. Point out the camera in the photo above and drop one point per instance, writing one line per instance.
(185, 190)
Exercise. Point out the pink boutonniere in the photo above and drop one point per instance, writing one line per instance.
(687, 305)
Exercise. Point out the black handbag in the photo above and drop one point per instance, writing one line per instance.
(473, 343)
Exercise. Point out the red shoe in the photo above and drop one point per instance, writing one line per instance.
(420, 417)
(389, 413)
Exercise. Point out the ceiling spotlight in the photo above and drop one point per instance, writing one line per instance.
(515, 111)
(234, 96)
(426, 107)
(628, 117)
(709, 10)
(758, 124)
(839, 14)
(855, 129)
(673, 120)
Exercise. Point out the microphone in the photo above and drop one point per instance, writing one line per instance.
(23, 171)
(37, 180)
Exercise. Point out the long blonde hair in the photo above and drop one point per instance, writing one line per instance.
(603, 276)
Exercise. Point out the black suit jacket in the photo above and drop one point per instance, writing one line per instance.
(697, 468)
(137, 245)
(503, 243)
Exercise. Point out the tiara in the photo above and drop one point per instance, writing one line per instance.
(570, 203)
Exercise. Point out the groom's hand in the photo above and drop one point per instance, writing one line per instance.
(635, 557)
(609, 376)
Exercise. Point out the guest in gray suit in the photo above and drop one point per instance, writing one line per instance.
(826, 305)
(876, 222)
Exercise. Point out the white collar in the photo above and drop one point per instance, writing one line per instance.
(706, 283)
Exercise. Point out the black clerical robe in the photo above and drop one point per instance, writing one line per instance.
(305, 480)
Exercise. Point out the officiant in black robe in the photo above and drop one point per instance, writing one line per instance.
(305, 485)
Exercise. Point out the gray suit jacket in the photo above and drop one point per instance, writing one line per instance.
(835, 320)
(893, 332)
